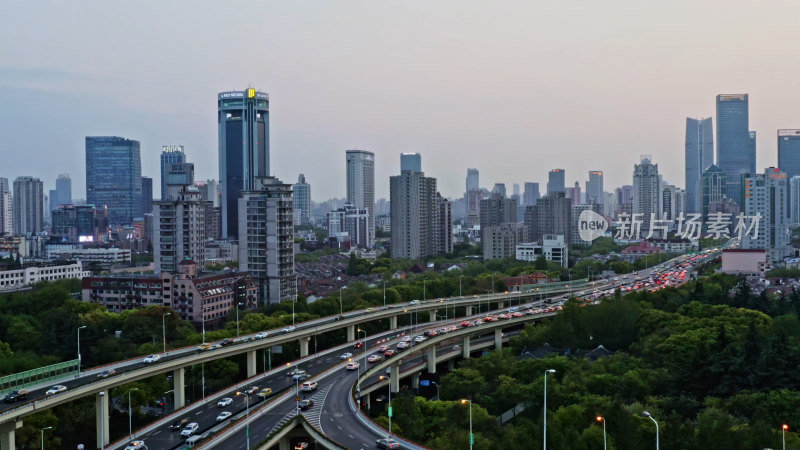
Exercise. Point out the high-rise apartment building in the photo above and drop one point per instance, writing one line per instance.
(531, 194)
(646, 192)
(28, 210)
(575, 214)
(179, 229)
(473, 180)
(594, 187)
(170, 154)
(77, 223)
(713, 188)
(114, 177)
(556, 181)
(351, 220)
(574, 193)
(736, 144)
(147, 195)
(243, 119)
(495, 211)
(410, 162)
(500, 241)
(6, 217)
(302, 201)
(209, 191)
(266, 239)
(421, 218)
(765, 195)
(361, 186)
(552, 214)
(673, 202)
(699, 156)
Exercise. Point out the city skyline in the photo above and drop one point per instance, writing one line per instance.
(322, 107)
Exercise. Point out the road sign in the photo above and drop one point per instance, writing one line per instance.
(471, 439)
(390, 411)
(297, 399)
(424, 382)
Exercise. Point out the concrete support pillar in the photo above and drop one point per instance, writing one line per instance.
(498, 338)
(304, 346)
(451, 364)
(351, 333)
(432, 315)
(366, 401)
(465, 350)
(178, 386)
(392, 322)
(394, 377)
(469, 310)
(501, 305)
(8, 435)
(432, 359)
(284, 443)
(415, 380)
(251, 363)
(101, 419)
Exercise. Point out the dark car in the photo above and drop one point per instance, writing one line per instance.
(226, 342)
(387, 443)
(15, 396)
(358, 345)
(106, 373)
(388, 353)
(179, 424)
(305, 404)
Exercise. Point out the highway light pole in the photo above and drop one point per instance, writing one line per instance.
(50, 428)
(544, 441)
(79, 348)
(390, 402)
(424, 290)
(130, 412)
(471, 437)
(237, 316)
(295, 299)
(384, 294)
(603, 419)
(365, 352)
(341, 308)
(247, 426)
(437, 389)
(164, 330)
(784, 427)
(102, 421)
(647, 414)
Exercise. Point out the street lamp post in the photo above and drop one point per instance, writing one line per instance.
(784, 427)
(603, 419)
(471, 438)
(384, 294)
(437, 389)
(102, 421)
(130, 412)
(647, 414)
(164, 330)
(424, 290)
(79, 348)
(341, 309)
(247, 426)
(390, 402)
(544, 441)
(365, 352)
(45, 428)
(237, 316)
(459, 284)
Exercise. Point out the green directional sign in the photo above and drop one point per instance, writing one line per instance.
(471, 439)
(390, 411)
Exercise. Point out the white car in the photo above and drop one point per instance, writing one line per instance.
(56, 389)
(190, 429)
(262, 335)
(223, 416)
(346, 355)
(351, 365)
(374, 358)
(414, 302)
(149, 359)
(224, 402)
(288, 329)
(135, 445)
(308, 386)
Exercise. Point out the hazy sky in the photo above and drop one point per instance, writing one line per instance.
(512, 88)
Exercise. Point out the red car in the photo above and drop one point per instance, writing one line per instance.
(388, 353)
(358, 344)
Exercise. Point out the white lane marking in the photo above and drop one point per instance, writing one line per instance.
(337, 426)
(351, 436)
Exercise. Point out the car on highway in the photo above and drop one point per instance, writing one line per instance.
(295, 371)
(306, 404)
(374, 358)
(414, 302)
(288, 329)
(388, 353)
(225, 401)
(224, 415)
(419, 339)
(358, 344)
(56, 389)
(266, 392)
(308, 386)
(225, 342)
(17, 395)
(179, 424)
(149, 359)
(106, 373)
(387, 443)
(383, 348)
(351, 366)
(262, 335)
(346, 355)
(204, 347)
(136, 445)
(190, 429)
(403, 345)
(300, 376)
(252, 390)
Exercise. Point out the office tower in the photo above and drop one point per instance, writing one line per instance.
(500, 241)
(419, 217)
(170, 154)
(699, 155)
(673, 202)
(411, 162)
(515, 188)
(28, 210)
(473, 183)
(556, 181)
(302, 202)
(713, 188)
(736, 144)
(147, 195)
(789, 157)
(76, 223)
(63, 190)
(765, 194)
(594, 187)
(361, 186)
(497, 210)
(500, 189)
(552, 214)
(531, 194)
(266, 239)
(179, 175)
(351, 220)
(574, 193)
(243, 118)
(646, 192)
(114, 177)
(794, 203)
(179, 231)
(51, 202)
(6, 217)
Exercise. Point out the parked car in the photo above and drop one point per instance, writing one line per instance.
(190, 429)
(223, 402)
(149, 359)
(56, 389)
(306, 404)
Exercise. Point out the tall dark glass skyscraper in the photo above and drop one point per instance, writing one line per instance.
(243, 118)
(699, 156)
(736, 144)
(789, 157)
(114, 177)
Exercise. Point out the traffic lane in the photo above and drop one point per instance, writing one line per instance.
(338, 421)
